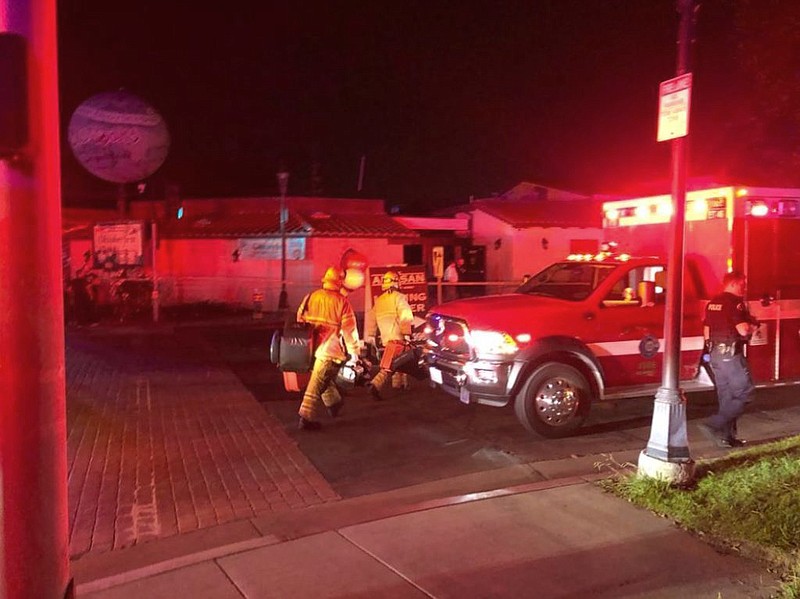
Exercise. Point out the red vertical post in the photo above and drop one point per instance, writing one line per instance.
(34, 539)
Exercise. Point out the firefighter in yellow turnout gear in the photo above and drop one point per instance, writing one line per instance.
(392, 316)
(336, 339)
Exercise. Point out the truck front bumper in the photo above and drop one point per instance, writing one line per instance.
(476, 381)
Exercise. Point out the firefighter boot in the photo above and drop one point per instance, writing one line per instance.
(334, 409)
(308, 425)
(377, 384)
(400, 381)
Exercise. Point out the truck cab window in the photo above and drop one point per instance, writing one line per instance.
(642, 286)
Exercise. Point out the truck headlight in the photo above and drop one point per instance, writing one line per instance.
(492, 342)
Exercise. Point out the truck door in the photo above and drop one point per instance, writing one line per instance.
(630, 321)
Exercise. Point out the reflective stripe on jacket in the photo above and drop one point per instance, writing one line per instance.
(391, 315)
(335, 322)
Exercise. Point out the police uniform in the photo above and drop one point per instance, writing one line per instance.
(335, 336)
(731, 374)
(392, 316)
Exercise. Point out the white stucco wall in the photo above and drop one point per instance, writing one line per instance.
(521, 250)
(203, 270)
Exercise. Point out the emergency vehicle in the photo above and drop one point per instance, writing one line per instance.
(590, 327)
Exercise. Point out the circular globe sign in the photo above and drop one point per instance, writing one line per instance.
(118, 137)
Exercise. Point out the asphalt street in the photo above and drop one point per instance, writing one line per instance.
(423, 434)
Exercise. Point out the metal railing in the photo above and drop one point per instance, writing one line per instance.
(442, 291)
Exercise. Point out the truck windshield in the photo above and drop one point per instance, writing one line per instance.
(572, 281)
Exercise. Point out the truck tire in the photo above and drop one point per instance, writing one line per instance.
(554, 401)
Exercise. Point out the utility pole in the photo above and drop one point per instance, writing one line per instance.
(34, 522)
(283, 185)
(667, 453)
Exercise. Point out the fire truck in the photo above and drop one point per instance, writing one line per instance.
(590, 327)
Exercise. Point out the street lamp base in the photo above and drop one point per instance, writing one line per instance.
(676, 473)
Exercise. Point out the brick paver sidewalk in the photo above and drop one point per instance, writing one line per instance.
(164, 439)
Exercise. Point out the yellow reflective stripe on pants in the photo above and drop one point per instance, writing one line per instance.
(321, 386)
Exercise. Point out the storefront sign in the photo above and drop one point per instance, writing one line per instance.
(118, 244)
(270, 249)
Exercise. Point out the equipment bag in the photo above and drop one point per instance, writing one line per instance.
(292, 349)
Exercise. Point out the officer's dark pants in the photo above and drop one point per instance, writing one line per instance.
(734, 388)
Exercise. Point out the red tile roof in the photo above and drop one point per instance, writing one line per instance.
(267, 224)
(556, 213)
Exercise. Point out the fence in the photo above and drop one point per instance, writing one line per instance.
(442, 291)
(251, 293)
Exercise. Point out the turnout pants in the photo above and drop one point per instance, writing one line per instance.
(321, 387)
(399, 380)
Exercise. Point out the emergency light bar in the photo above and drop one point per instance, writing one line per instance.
(760, 208)
(705, 204)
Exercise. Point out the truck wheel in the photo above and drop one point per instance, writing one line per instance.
(554, 401)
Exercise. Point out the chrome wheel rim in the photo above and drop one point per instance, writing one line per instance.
(557, 401)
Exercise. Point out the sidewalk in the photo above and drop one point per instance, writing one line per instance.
(163, 439)
(562, 538)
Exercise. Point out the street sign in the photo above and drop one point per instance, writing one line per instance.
(674, 96)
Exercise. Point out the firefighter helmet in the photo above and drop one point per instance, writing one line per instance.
(332, 279)
(391, 280)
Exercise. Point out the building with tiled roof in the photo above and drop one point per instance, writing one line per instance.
(530, 226)
(228, 250)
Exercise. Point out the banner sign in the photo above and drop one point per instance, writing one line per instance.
(118, 244)
(270, 249)
(413, 285)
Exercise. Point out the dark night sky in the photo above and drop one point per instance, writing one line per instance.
(445, 99)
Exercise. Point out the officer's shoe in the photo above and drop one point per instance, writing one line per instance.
(732, 442)
(308, 425)
(335, 408)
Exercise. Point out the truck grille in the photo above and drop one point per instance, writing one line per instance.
(447, 337)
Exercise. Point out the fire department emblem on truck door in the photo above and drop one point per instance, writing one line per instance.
(648, 346)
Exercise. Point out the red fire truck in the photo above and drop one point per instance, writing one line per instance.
(590, 327)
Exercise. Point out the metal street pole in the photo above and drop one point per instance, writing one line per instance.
(283, 184)
(667, 453)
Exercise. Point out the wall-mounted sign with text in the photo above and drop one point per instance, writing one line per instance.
(270, 249)
(118, 244)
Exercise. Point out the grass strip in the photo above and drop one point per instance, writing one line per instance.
(747, 502)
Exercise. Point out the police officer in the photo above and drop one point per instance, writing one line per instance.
(728, 326)
(392, 316)
(335, 337)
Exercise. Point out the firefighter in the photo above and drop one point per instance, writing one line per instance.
(727, 328)
(335, 339)
(392, 317)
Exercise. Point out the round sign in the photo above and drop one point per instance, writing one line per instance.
(118, 137)
(648, 346)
